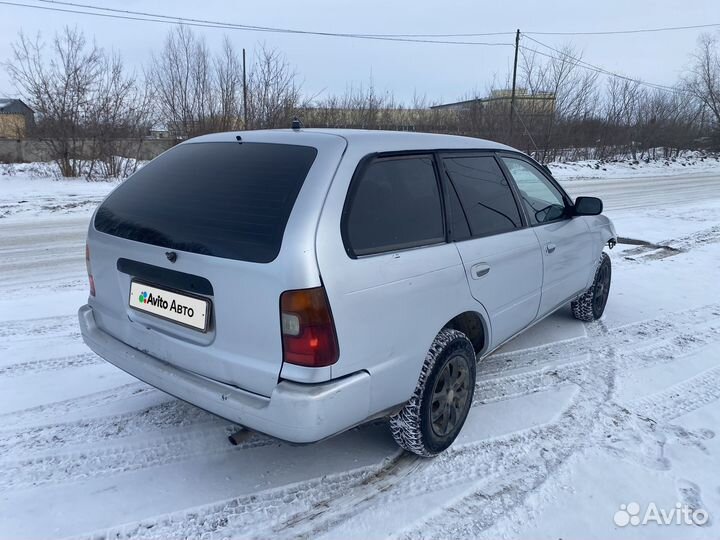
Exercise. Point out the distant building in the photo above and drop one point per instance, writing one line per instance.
(498, 102)
(160, 133)
(16, 119)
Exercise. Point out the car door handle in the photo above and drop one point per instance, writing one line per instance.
(479, 270)
(550, 248)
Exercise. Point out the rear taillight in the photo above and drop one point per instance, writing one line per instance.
(308, 330)
(89, 270)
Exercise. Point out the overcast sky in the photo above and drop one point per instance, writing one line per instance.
(440, 72)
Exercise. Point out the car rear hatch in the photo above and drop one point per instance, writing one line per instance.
(213, 225)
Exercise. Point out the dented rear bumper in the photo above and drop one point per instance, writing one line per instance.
(295, 412)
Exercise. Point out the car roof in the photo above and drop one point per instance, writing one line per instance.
(362, 140)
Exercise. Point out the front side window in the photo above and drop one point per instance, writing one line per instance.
(485, 194)
(542, 200)
(395, 204)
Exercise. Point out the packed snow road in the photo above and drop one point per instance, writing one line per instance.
(569, 422)
(621, 194)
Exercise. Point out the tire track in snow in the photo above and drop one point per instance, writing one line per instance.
(645, 343)
(646, 353)
(58, 409)
(60, 326)
(681, 398)
(247, 511)
(682, 323)
(52, 364)
(321, 517)
(81, 465)
(166, 415)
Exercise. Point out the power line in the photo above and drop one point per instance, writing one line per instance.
(376, 36)
(412, 38)
(586, 65)
(113, 13)
(274, 29)
(604, 71)
(79, 9)
(633, 31)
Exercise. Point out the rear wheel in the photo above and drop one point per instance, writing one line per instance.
(434, 416)
(591, 304)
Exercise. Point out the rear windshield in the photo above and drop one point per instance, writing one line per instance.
(227, 200)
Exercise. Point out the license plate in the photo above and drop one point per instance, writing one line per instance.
(179, 308)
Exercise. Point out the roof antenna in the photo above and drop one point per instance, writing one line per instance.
(297, 124)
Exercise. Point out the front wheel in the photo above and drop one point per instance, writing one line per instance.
(435, 414)
(590, 305)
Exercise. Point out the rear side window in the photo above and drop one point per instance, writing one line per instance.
(227, 200)
(485, 194)
(395, 204)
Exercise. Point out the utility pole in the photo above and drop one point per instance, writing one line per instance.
(245, 124)
(512, 95)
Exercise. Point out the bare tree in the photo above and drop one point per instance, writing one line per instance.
(703, 80)
(60, 91)
(196, 91)
(667, 121)
(570, 89)
(181, 79)
(621, 114)
(81, 94)
(123, 115)
(273, 90)
(228, 78)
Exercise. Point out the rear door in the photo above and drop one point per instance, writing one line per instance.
(223, 223)
(566, 242)
(500, 254)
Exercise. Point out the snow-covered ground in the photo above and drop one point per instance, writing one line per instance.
(687, 162)
(570, 420)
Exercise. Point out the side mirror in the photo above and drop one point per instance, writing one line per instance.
(588, 206)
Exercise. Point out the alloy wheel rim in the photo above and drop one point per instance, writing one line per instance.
(602, 289)
(449, 397)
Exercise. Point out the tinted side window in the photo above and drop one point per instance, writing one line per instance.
(394, 205)
(542, 200)
(457, 223)
(484, 193)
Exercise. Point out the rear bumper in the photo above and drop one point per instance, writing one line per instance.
(295, 412)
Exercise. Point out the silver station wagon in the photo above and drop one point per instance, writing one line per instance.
(301, 282)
